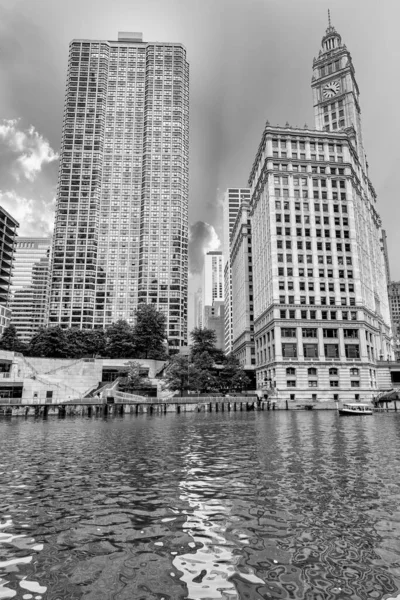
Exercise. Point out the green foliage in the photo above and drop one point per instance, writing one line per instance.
(135, 379)
(203, 340)
(10, 340)
(202, 376)
(150, 333)
(120, 341)
(207, 369)
(50, 342)
(177, 373)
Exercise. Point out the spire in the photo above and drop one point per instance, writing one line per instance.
(331, 39)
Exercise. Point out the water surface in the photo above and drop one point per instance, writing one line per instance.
(238, 506)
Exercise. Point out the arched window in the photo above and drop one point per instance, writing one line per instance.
(355, 372)
(290, 371)
(312, 372)
(333, 372)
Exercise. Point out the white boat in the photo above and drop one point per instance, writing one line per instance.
(355, 408)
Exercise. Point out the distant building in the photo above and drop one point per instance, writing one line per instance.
(394, 303)
(213, 278)
(242, 289)
(198, 309)
(232, 201)
(8, 234)
(214, 319)
(30, 284)
(121, 228)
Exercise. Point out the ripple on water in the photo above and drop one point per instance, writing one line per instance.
(232, 506)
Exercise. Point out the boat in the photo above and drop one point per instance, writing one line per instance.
(356, 408)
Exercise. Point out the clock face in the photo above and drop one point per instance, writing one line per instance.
(331, 89)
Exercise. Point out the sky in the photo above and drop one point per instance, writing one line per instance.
(250, 61)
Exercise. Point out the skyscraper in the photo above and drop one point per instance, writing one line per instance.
(213, 278)
(241, 267)
(232, 201)
(121, 232)
(8, 234)
(30, 282)
(321, 321)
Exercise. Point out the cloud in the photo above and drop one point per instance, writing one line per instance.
(202, 239)
(35, 217)
(33, 149)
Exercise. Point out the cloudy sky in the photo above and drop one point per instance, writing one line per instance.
(250, 60)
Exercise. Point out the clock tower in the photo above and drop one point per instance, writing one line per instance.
(335, 91)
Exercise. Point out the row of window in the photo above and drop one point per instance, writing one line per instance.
(299, 145)
(310, 286)
(289, 350)
(332, 315)
(312, 332)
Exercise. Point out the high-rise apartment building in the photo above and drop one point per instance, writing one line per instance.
(198, 309)
(30, 285)
(213, 278)
(232, 200)
(121, 230)
(321, 311)
(8, 235)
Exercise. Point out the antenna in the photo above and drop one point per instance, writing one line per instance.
(329, 18)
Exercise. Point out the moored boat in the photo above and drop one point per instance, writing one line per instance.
(355, 408)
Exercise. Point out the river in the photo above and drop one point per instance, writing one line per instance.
(234, 506)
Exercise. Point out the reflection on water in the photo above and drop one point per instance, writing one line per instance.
(234, 506)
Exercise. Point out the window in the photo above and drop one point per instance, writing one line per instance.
(350, 333)
(290, 371)
(354, 372)
(334, 383)
(333, 372)
(313, 383)
(330, 333)
(309, 332)
(331, 350)
(289, 350)
(288, 332)
(312, 372)
(310, 350)
(352, 350)
(291, 383)
(355, 383)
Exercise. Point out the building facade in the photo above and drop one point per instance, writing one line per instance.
(213, 278)
(232, 200)
(121, 229)
(198, 309)
(8, 235)
(214, 319)
(30, 285)
(321, 310)
(394, 303)
(242, 289)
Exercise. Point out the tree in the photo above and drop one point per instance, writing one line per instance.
(10, 340)
(76, 339)
(150, 332)
(202, 374)
(136, 377)
(51, 342)
(95, 342)
(232, 376)
(177, 373)
(204, 340)
(120, 342)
